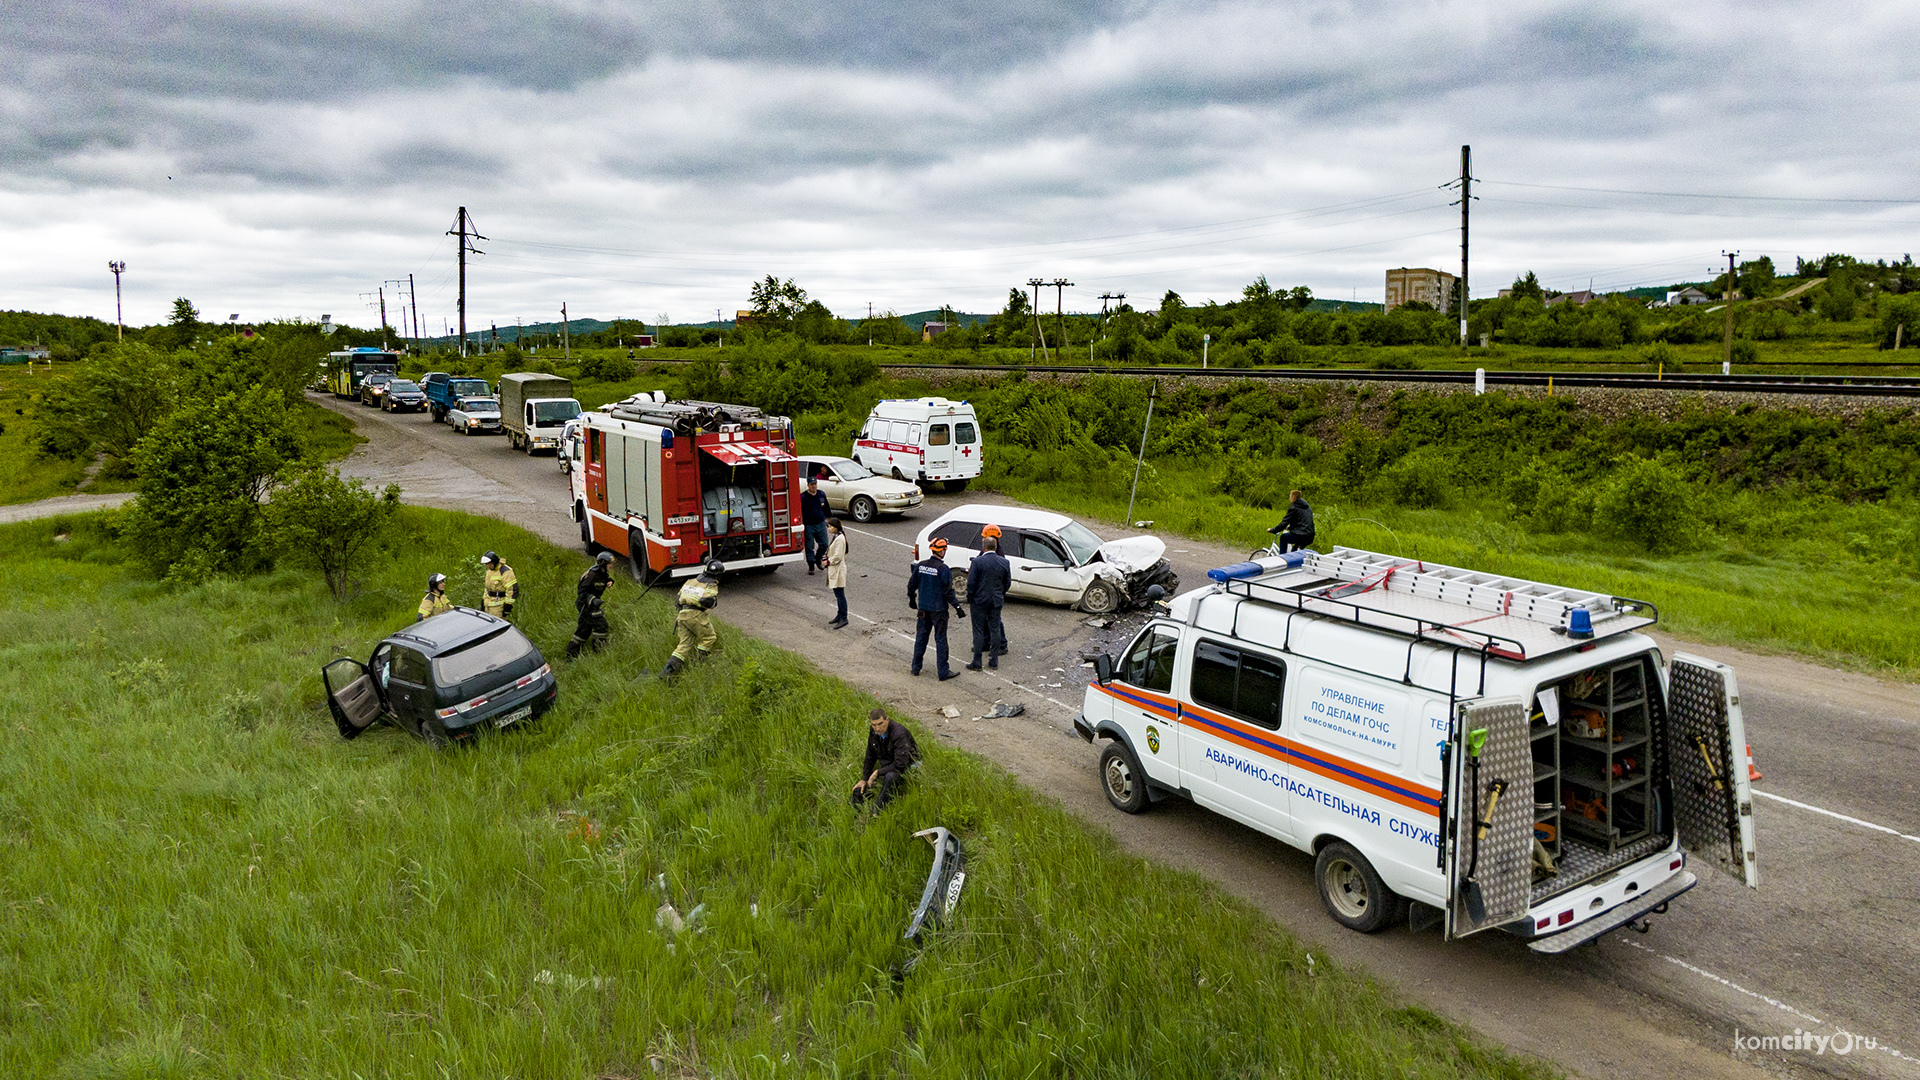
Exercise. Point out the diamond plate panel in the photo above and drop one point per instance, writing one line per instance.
(1504, 869)
(1706, 808)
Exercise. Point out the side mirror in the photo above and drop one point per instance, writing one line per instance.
(1103, 668)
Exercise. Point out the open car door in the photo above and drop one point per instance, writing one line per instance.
(1490, 786)
(351, 696)
(1707, 741)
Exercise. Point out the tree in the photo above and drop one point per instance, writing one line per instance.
(1259, 292)
(109, 404)
(1528, 287)
(203, 473)
(776, 303)
(1837, 300)
(1300, 298)
(330, 523)
(183, 327)
(1755, 279)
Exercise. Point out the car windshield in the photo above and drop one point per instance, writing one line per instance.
(487, 654)
(1081, 540)
(555, 412)
(480, 406)
(376, 380)
(403, 386)
(848, 469)
(463, 387)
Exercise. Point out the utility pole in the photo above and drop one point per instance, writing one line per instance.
(566, 344)
(1060, 286)
(1726, 360)
(381, 292)
(463, 228)
(1153, 392)
(1039, 332)
(1466, 200)
(119, 321)
(413, 299)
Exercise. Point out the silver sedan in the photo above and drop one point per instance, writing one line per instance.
(852, 490)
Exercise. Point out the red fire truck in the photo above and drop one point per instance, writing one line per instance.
(671, 484)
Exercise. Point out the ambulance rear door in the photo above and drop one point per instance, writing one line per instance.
(939, 447)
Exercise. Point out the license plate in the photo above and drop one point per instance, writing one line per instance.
(515, 716)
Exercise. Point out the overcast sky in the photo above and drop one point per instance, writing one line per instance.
(283, 157)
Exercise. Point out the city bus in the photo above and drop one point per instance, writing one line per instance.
(345, 370)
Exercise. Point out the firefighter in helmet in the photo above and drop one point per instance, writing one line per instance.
(435, 602)
(502, 588)
(588, 600)
(696, 598)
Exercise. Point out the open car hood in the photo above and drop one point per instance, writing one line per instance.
(1133, 554)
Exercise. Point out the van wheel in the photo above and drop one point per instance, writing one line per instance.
(897, 474)
(1352, 890)
(863, 509)
(956, 485)
(1100, 597)
(1122, 779)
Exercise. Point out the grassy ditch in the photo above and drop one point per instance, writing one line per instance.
(200, 878)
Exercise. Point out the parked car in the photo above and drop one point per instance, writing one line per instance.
(857, 493)
(373, 386)
(475, 416)
(443, 679)
(403, 395)
(1054, 558)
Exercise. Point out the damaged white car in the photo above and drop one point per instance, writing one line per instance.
(1054, 558)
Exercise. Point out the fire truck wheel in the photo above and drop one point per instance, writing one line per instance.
(863, 509)
(1352, 890)
(637, 556)
(586, 535)
(1122, 780)
(1100, 597)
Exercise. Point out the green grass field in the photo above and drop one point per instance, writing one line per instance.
(200, 878)
(26, 476)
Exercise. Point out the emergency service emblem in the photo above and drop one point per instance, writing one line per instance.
(1153, 738)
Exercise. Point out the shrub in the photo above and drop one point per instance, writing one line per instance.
(1745, 352)
(329, 523)
(1422, 480)
(1647, 503)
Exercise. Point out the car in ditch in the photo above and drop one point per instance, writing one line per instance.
(443, 679)
(1053, 558)
(475, 416)
(852, 490)
(403, 395)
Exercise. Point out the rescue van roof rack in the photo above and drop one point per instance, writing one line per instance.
(1507, 617)
(692, 417)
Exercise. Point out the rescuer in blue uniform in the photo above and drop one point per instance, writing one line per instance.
(813, 518)
(988, 576)
(930, 593)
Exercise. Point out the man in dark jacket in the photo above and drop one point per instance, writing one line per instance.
(1296, 529)
(930, 594)
(891, 751)
(813, 518)
(588, 597)
(988, 576)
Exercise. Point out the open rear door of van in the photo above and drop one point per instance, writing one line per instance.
(1489, 876)
(1707, 741)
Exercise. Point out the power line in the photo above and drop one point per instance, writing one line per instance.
(1700, 195)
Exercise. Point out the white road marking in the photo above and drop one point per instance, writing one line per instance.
(996, 676)
(1831, 814)
(1736, 987)
(877, 536)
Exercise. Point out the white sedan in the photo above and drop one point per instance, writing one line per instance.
(1053, 558)
(852, 490)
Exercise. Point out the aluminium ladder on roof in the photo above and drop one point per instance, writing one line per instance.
(1508, 617)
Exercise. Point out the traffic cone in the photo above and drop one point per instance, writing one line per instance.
(1752, 773)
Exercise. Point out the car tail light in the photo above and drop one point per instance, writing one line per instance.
(468, 706)
(1544, 923)
(1677, 863)
(1565, 918)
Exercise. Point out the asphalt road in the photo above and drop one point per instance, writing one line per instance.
(1828, 943)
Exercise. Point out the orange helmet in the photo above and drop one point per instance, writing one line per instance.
(991, 530)
(939, 545)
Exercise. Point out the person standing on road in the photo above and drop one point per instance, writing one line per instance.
(696, 598)
(588, 600)
(435, 602)
(837, 569)
(891, 751)
(1296, 528)
(930, 594)
(503, 589)
(988, 576)
(813, 518)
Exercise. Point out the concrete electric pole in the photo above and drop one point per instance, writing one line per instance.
(119, 321)
(1726, 359)
(463, 228)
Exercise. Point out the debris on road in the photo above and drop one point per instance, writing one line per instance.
(950, 712)
(1002, 709)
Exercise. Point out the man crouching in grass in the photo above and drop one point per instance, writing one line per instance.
(891, 751)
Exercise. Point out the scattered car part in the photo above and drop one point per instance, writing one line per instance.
(944, 883)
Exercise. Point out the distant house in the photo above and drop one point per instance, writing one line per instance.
(1407, 284)
(1687, 296)
(931, 330)
(742, 318)
(1580, 298)
(28, 355)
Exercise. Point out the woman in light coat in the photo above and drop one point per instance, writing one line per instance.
(837, 569)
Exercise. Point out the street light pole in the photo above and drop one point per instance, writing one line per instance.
(119, 322)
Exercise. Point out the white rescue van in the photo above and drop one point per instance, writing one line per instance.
(924, 440)
(1494, 752)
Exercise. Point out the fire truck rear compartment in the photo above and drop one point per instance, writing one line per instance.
(733, 508)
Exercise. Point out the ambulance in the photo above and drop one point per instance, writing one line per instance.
(671, 484)
(926, 440)
(1465, 750)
